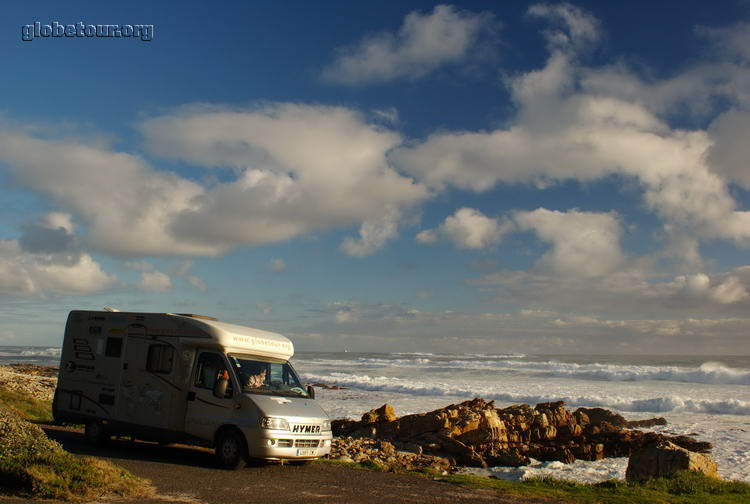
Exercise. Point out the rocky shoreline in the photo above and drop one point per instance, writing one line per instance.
(471, 434)
(476, 434)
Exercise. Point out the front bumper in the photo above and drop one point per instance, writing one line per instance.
(282, 445)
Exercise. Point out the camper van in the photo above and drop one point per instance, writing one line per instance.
(188, 378)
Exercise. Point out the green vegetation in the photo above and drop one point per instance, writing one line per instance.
(33, 465)
(26, 406)
(682, 488)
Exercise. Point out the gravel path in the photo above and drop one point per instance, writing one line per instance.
(184, 474)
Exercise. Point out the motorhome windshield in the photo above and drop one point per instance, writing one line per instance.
(268, 377)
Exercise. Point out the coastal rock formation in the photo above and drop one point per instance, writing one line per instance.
(476, 434)
(386, 455)
(663, 458)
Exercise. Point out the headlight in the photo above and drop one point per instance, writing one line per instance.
(326, 426)
(274, 423)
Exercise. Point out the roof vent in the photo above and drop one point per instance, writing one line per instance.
(110, 309)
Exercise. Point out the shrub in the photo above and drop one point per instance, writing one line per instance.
(32, 464)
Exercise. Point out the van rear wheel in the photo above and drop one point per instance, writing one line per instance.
(95, 432)
(230, 449)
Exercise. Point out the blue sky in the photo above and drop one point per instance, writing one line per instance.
(480, 176)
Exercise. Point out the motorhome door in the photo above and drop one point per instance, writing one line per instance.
(206, 412)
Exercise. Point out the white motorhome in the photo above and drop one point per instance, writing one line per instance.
(188, 378)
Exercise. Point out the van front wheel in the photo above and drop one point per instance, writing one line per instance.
(230, 449)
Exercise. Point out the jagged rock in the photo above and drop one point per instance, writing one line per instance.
(475, 433)
(510, 458)
(343, 426)
(649, 422)
(686, 442)
(598, 415)
(581, 418)
(385, 413)
(662, 458)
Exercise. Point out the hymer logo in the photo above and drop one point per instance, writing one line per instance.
(306, 429)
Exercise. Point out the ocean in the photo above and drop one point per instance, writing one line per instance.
(705, 397)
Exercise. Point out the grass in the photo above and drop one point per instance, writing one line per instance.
(682, 488)
(685, 487)
(32, 465)
(27, 407)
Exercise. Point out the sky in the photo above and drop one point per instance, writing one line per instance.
(490, 177)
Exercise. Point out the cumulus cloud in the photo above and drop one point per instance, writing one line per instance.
(468, 228)
(51, 234)
(155, 281)
(727, 290)
(297, 169)
(583, 243)
(729, 156)
(577, 28)
(373, 234)
(126, 205)
(427, 236)
(300, 169)
(567, 128)
(424, 43)
(24, 273)
(732, 40)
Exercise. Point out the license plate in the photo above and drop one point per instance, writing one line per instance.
(309, 452)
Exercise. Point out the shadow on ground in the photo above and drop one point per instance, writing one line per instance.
(124, 449)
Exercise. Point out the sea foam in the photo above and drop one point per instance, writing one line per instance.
(663, 404)
(712, 373)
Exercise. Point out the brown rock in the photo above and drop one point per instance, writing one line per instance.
(581, 418)
(385, 413)
(598, 415)
(475, 433)
(664, 458)
(649, 422)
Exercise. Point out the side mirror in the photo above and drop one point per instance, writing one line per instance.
(220, 388)
(311, 392)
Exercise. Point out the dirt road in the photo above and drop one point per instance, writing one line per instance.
(184, 474)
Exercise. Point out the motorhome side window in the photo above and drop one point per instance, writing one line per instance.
(210, 368)
(113, 348)
(160, 358)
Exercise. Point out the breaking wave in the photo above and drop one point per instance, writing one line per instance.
(31, 352)
(666, 404)
(708, 373)
(47, 352)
